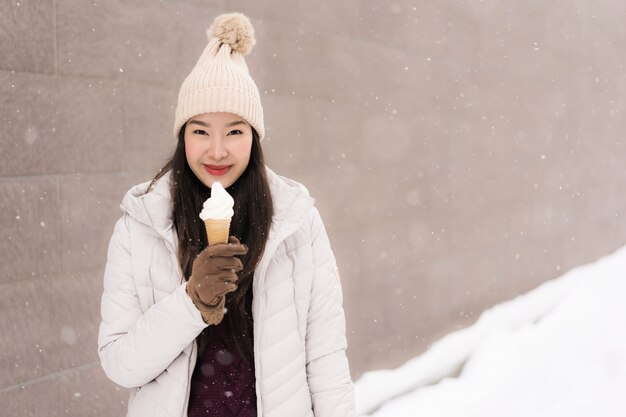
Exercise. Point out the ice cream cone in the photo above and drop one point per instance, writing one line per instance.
(217, 230)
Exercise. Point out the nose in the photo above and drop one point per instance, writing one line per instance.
(217, 149)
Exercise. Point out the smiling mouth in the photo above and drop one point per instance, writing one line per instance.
(217, 170)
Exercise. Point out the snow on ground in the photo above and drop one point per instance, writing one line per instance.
(557, 351)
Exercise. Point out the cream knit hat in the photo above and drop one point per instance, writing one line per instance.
(220, 81)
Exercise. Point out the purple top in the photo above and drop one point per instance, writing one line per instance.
(222, 384)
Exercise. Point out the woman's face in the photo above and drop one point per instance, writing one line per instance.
(217, 146)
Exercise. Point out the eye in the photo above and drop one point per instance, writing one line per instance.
(199, 132)
(236, 130)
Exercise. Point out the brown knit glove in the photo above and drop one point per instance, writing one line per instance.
(214, 274)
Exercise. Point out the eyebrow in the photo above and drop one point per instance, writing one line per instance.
(201, 123)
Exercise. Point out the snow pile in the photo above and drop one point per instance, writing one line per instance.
(559, 350)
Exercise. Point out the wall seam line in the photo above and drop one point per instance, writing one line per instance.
(50, 377)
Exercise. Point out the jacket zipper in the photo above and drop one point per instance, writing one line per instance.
(189, 375)
(257, 342)
(258, 295)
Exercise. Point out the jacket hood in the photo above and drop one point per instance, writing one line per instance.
(291, 202)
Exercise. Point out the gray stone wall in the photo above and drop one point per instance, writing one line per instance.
(460, 153)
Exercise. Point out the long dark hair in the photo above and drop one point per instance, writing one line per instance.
(250, 224)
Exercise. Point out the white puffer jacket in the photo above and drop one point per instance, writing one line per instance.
(149, 323)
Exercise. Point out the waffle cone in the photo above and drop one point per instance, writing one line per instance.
(217, 230)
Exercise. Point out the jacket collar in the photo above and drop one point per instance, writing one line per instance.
(291, 201)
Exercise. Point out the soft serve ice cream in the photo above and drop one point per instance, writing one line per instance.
(217, 212)
(219, 205)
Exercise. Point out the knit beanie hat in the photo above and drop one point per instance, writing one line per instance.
(220, 81)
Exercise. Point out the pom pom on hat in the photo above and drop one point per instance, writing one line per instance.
(235, 30)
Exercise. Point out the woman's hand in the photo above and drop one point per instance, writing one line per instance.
(214, 274)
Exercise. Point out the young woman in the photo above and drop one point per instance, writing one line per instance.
(252, 327)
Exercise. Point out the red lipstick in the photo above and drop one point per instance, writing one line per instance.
(217, 170)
